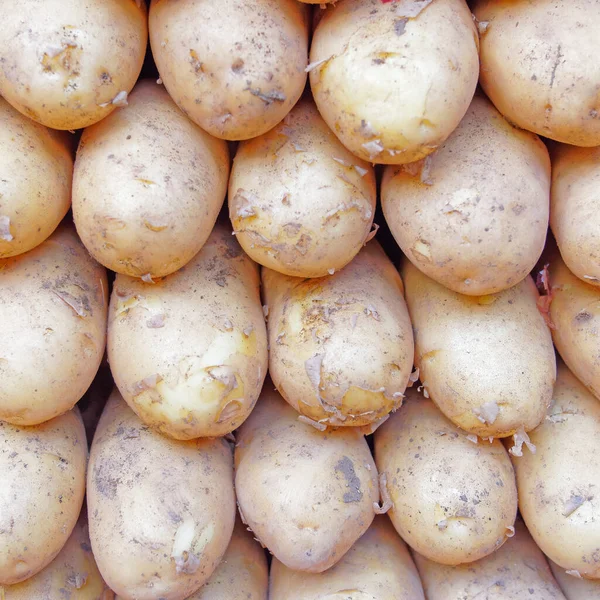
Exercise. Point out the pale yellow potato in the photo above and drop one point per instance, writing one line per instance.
(393, 80)
(377, 567)
(573, 587)
(299, 202)
(42, 470)
(161, 511)
(67, 63)
(53, 311)
(487, 361)
(307, 495)
(148, 186)
(341, 347)
(235, 67)
(473, 215)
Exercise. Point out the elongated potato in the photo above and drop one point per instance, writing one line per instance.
(487, 361)
(573, 587)
(161, 511)
(307, 495)
(189, 353)
(299, 202)
(341, 347)
(42, 470)
(378, 566)
(53, 305)
(148, 186)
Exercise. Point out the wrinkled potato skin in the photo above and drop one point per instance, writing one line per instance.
(357, 322)
(388, 78)
(294, 207)
(472, 351)
(72, 59)
(53, 315)
(148, 186)
(575, 588)
(307, 495)
(42, 470)
(142, 488)
(235, 67)
(377, 567)
(473, 232)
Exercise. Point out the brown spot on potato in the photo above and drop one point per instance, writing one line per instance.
(400, 26)
(346, 467)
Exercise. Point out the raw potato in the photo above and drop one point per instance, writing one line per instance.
(235, 67)
(341, 347)
(474, 215)
(189, 353)
(307, 495)
(539, 65)
(299, 202)
(36, 169)
(377, 567)
(161, 511)
(392, 80)
(468, 509)
(148, 186)
(67, 63)
(42, 470)
(53, 313)
(573, 587)
(488, 361)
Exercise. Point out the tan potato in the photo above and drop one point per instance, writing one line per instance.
(235, 67)
(377, 567)
(68, 64)
(299, 202)
(573, 587)
(474, 215)
(42, 470)
(307, 495)
(53, 313)
(148, 186)
(487, 361)
(341, 347)
(392, 80)
(161, 511)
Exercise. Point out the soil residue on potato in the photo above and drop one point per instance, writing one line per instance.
(346, 467)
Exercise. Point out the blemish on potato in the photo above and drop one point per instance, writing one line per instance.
(346, 467)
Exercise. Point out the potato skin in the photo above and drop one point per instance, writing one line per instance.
(299, 202)
(390, 87)
(307, 495)
(341, 347)
(235, 67)
(74, 62)
(573, 587)
(161, 511)
(148, 186)
(42, 469)
(474, 217)
(53, 313)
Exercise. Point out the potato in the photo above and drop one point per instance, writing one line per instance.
(487, 361)
(42, 470)
(161, 511)
(341, 347)
(307, 495)
(474, 215)
(235, 67)
(539, 65)
(392, 80)
(378, 566)
(299, 202)
(68, 64)
(53, 305)
(573, 587)
(148, 186)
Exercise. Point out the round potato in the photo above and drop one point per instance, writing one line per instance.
(299, 202)
(474, 215)
(392, 80)
(42, 470)
(148, 186)
(235, 67)
(161, 511)
(573, 587)
(68, 64)
(53, 310)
